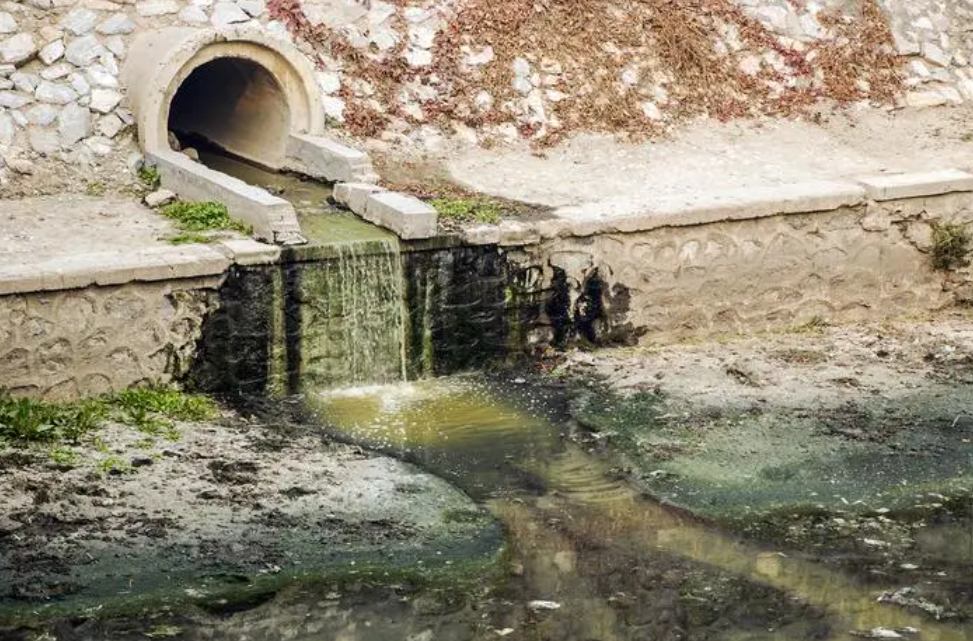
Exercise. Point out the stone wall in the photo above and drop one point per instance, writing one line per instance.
(83, 342)
(60, 95)
(856, 263)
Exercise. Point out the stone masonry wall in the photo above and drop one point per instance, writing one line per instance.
(84, 342)
(853, 264)
(60, 96)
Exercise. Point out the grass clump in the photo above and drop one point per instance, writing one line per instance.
(36, 421)
(467, 209)
(188, 238)
(202, 216)
(151, 410)
(149, 177)
(950, 246)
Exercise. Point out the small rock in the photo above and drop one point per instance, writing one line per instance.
(141, 461)
(18, 49)
(7, 23)
(25, 82)
(51, 52)
(110, 125)
(14, 100)
(57, 71)
(254, 8)
(42, 115)
(98, 76)
(159, 198)
(74, 124)
(116, 24)
(191, 153)
(150, 8)
(82, 51)
(193, 15)
(43, 141)
(105, 100)
(55, 94)
(80, 21)
(116, 45)
(7, 129)
(21, 166)
(79, 84)
(227, 13)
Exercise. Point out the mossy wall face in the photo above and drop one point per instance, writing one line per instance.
(372, 318)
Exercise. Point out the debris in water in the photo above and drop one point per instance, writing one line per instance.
(543, 605)
(504, 632)
(908, 598)
(877, 633)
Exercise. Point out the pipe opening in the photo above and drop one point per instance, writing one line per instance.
(236, 104)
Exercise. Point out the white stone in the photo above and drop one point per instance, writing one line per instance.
(7, 23)
(6, 70)
(7, 129)
(423, 35)
(108, 61)
(935, 55)
(80, 21)
(254, 8)
(383, 37)
(921, 99)
(329, 82)
(98, 76)
(54, 93)
(483, 101)
(522, 85)
(116, 24)
(73, 125)
(334, 107)
(56, 71)
(116, 45)
(227, 13)
(19, 118)
(418, 57)
(152, 8)
(52, 52)
(193, 15)
(751, 64)
(79, 84)
(521, 67)
(630, 77)
(43, 141)
(651, 111)
(25, 82)
(82, 51)
(919, 68)
(5, 84)
(159, 197)
(42, 115)
(14, 100)
(479, 57)
(44, 5)
(110, 125)
(18, 49)
(104, 100)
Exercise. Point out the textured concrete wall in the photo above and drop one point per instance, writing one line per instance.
(83, 342)
(855, 263)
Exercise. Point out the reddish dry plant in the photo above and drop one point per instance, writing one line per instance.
(586, 45)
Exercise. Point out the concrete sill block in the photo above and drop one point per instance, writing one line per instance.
(269, 215)
(916, 185)
(327, 159)
(249, 252)
(407, 216)
(113, 268)
(355, 195)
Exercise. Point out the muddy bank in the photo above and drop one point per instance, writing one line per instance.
(850, 444)
(217, 512)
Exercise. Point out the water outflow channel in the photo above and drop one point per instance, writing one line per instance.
(606, 562)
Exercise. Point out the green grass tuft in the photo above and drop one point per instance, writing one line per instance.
(149, 177)
(951, 244)
(187, 238)
(202, 216)
(468, 210)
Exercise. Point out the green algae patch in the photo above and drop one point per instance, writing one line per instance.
(763, 470)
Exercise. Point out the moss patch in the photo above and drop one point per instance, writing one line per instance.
(480, 210)
(951, 244)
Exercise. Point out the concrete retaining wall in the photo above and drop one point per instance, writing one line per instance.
(864, 261)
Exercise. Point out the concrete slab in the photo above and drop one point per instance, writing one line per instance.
(272, 218)
(917, 184)
(355, 195)
(407, 216)
(328, 159)
(249, 252)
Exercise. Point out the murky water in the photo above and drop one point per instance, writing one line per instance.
(518, 461)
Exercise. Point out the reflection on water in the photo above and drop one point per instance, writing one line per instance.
(529, 475)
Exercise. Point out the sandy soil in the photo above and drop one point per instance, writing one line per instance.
(713, 156)
(224, 504)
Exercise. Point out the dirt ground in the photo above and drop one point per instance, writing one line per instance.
(213, 505)
(711, 156)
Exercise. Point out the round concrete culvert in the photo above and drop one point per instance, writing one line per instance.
(240, 88)
(236, 104)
